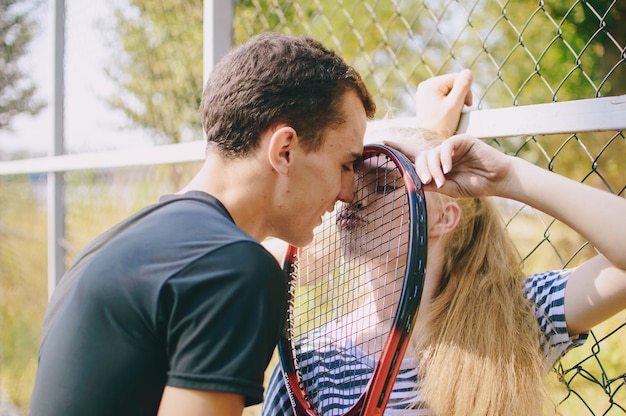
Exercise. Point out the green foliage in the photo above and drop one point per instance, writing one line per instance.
(522, 52)
(23, 286)
(594, 34)
(528, 52)
(158, 66)
(371, 36)
(17, 93)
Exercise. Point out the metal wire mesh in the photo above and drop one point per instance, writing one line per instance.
(590, 379)
(521, 52)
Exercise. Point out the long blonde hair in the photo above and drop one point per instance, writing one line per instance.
(479, 350)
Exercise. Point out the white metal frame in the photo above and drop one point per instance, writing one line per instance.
(56, 185)
(597, 114)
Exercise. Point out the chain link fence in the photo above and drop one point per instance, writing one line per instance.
(521, 52)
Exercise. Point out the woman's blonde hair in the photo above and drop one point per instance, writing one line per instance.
(479, 350)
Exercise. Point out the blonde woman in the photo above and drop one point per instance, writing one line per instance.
(486, 335)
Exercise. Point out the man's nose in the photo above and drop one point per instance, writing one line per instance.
(347, 189)
(359, 193)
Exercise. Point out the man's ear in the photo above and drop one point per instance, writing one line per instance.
(446, 219)
(282, 142)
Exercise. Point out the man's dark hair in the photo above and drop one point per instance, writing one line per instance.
(272, 79)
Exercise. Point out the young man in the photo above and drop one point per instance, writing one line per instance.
(177, 310)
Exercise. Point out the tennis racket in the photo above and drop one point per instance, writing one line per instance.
(354, 293)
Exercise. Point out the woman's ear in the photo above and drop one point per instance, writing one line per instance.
(281, 143)
(446, 218)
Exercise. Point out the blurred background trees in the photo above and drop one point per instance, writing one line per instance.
(523, 52)
(17, 91)
(157, 66)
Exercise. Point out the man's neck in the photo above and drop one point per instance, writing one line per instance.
(240, 186)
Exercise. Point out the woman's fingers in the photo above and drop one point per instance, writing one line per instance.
(433, 160)
(421, 167)
(461, 92)
(430, 164)
(440, 100)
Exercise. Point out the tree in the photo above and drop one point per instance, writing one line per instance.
(158, 66)
(17, 92)
(373, 36)
(522, 52)
(558, 51)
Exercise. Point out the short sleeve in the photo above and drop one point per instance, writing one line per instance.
(221, 319)
(547, 292)
(277, 401)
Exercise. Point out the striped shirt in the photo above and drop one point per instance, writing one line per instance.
(329, 367)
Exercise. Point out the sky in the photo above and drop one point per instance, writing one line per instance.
(90, 125)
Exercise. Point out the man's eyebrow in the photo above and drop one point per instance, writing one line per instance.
(374, 165)
(357, 157)
(379, 170)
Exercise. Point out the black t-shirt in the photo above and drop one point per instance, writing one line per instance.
(175, 295)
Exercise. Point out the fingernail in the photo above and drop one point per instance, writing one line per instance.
(438, 183)
(445, 168)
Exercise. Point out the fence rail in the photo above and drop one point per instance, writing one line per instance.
(598, 114)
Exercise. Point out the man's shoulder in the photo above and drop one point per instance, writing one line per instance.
(193, 201)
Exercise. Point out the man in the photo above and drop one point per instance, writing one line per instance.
(177, 309)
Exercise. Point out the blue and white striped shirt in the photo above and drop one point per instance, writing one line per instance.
(329, 367)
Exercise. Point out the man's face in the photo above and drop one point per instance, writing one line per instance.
(371, 226)
(321, 178)
(374, 231)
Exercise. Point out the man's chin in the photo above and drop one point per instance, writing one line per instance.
(301, 241)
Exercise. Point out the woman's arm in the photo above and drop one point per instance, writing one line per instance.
(277, 248)
(439, 101)
(466, 167)
(596, 290)
(596, 215)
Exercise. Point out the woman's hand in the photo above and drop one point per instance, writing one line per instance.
(462, 166)
(439, 101)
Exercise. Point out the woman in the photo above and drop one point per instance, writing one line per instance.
(486, 335)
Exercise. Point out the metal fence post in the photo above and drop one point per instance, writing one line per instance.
(56, 186)
(217, 32)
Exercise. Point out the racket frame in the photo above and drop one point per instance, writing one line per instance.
(376, 395)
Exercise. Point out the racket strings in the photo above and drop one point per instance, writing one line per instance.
(346, 289)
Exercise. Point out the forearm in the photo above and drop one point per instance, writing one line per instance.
(181, 401)
(596, 215)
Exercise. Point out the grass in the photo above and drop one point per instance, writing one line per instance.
(23, 289)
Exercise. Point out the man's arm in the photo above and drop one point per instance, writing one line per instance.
(177, 401)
